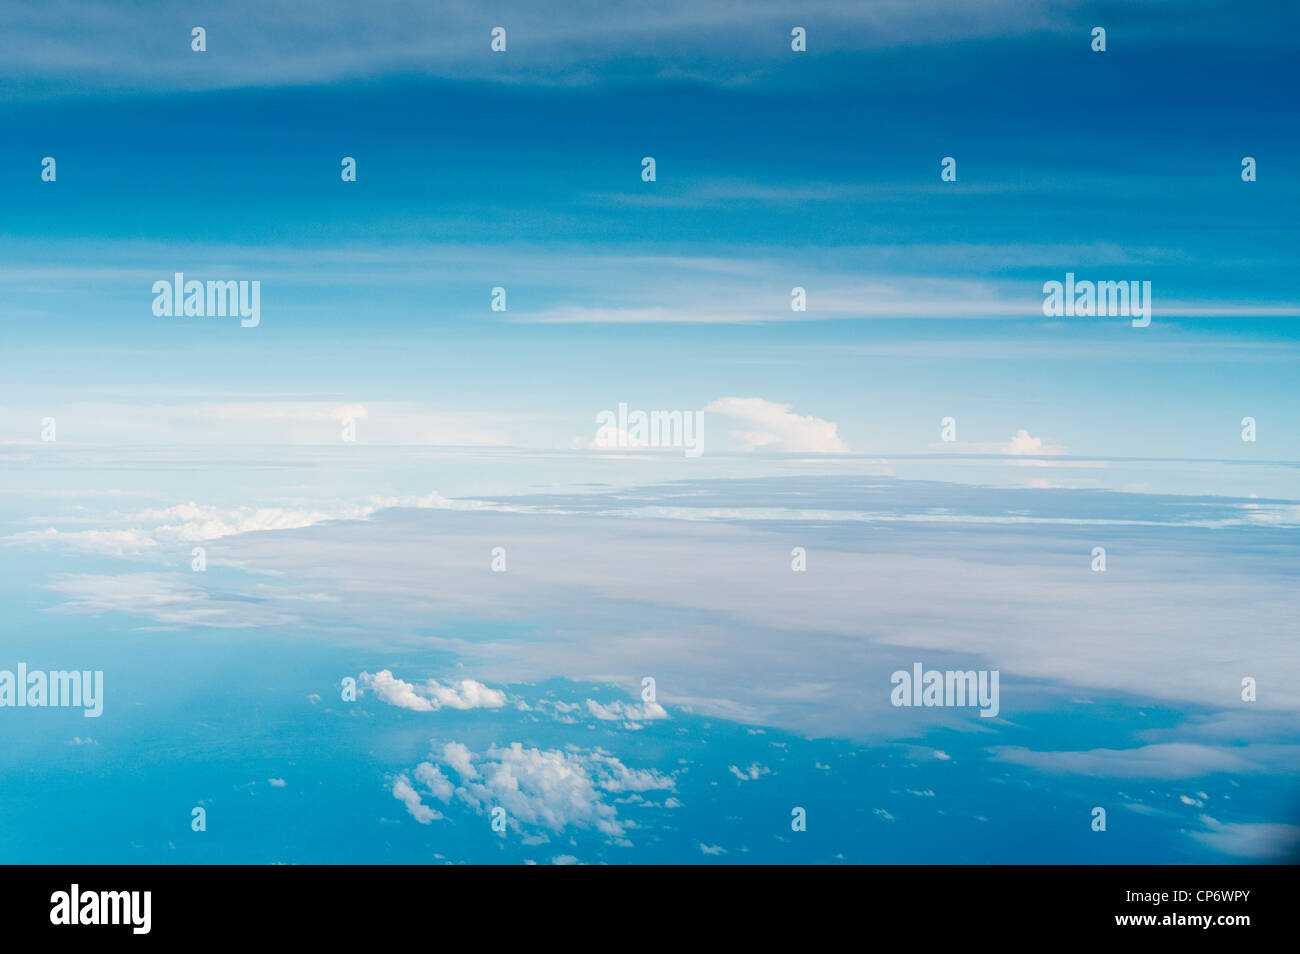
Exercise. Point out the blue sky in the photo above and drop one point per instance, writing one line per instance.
(775, 169)
(476, 428)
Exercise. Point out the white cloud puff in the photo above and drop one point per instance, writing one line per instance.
(626, 712)
(540, 788)
(432, 696)
(753, 772)
(404, 793)
(431, 777)
(1022, 443)
(772, 426)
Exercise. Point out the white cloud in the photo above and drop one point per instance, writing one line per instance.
(111, 542)
(754, 771)
(277, 782)
(612, 436)
(721, 623)
(431, 777)
(396, 692)
(164, 599)
(626, 712)
(193, 523)
(189, 523)
(734, 293)
(1167, 761)
(712, 849)
(772, 426)
(330, 41)
(546, 788)
(467, 694)
(1257, 841)
(1022, 443)
(460, 758)
(277, 422)
(404, 793)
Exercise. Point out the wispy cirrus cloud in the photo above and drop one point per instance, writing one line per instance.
(250, 44)
(1256, 841)
(265, 422)
(1171, 760)
(165, 599)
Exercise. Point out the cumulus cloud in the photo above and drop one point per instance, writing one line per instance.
(438, 785)
(754, 771)
(460, 758)
(432, 696)
(772, 426)
(628, 713)
(1022, 443)
(539, 788)
(404, 793)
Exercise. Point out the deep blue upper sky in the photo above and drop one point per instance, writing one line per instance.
(775, 169)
